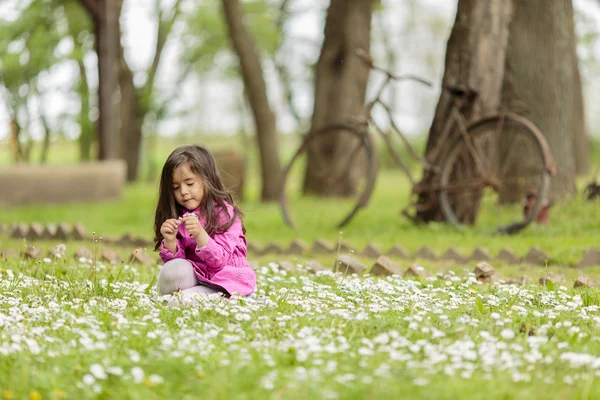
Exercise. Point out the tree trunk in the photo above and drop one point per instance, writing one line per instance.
(539, 74)
(105, 15)
(581, 140)
(475, 56)
(256, 89)
(340, 87)
(86, 136)
(132, 118)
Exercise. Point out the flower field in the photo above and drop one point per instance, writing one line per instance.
(78, 330)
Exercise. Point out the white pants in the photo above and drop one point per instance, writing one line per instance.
(178, 275)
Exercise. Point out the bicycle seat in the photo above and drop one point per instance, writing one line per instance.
(461, 91)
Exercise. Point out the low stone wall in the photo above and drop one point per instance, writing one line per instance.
(534, 256)
(85, 182)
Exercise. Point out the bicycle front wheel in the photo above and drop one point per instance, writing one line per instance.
(498, 174)
(329, 178)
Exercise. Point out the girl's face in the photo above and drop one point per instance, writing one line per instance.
(188, 188)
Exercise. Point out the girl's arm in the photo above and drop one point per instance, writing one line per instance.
(167, 255)
(217, 252)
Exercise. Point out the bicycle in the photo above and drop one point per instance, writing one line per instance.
(470, 165)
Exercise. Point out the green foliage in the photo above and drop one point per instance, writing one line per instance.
(206, 41)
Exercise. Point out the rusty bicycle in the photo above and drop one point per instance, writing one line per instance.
(484, 161)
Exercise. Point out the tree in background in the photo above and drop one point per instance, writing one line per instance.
(540, 73)
(340, 87)
(29, 50)
(256, 91)
(475, 56)
(105, 18)
(581, 141)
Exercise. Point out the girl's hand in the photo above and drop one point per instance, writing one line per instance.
(192, 224)
(169, 229)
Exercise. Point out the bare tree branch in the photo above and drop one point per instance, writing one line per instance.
(162, 34)
(93, 7)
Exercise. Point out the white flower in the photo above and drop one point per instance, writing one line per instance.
(98, 371)
(117, 371)
(89, 379)
(495, 315)
(507, 334)
(156, 379)
(138, 374)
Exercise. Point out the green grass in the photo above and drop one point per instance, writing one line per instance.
(72, 329)
(572, 230)
(76, 330)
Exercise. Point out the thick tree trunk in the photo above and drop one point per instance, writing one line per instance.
(340, 87)
(256, 90)
(539, 74)
(581, 140)
(475, 56)
(107, 28)
(132, 118)
(105, 15)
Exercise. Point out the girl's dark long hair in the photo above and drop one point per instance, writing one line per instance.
(202, 163)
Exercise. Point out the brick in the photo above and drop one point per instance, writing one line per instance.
(254, 248)
(63, 231)
(141, 257)
(400, 251)
(79, 232)
(35, 231)
(286, 266)
(479, 254)
(297, 247)
(314, 266)
(82, 252)
(32, 253)
(110, 256)
(484, 272)
(557, 279)
(453, 255)
(126, 239)
(371, 251)
(536, 257)
(585, 281)
(384, 266)
(9, 253)
(20, 231)
(320, 246)
(416, 270)
(508, 257)
(49, 231)
(57, 251)
(426, 253)
(347, 264)
(590, 259)
(272, 248)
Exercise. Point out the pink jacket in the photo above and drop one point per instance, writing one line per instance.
(222, 262)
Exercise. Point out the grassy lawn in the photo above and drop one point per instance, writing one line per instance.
(79, 329)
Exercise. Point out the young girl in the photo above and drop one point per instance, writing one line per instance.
(198, 229)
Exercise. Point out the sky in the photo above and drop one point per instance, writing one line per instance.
(211, 105)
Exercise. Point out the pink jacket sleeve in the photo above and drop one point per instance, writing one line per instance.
(217, 252)
(166, 255)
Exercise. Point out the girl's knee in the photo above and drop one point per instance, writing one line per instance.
(175, 270)
(175, 275)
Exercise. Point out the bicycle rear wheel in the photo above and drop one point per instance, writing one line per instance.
(498, 175)
(339, 182)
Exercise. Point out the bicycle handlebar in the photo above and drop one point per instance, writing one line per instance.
(369, 62)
